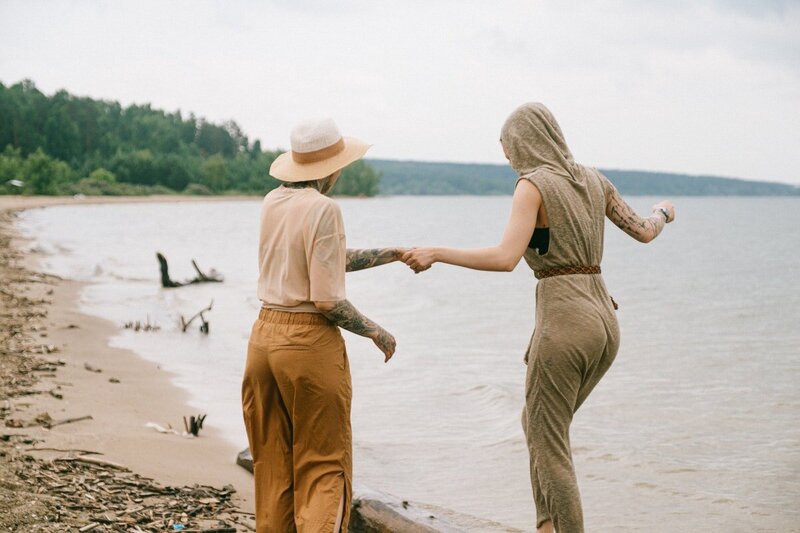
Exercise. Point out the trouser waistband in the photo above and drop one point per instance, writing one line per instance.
(284, 317)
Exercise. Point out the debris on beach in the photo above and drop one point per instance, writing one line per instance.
(169, 429)
(194, 424)
(79, 491)
(91, 368)
(54, 423)
(51, 490)
(191, 426)
(168, 283)
(44, 420)
(203, 322)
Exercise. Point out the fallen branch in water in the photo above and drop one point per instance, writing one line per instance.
(204, 326)
(168, 283)
(141, 326)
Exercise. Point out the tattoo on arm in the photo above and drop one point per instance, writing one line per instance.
(346, 316)
(361, 259)
(640, 228)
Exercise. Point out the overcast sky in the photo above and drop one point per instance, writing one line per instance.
(703, 86)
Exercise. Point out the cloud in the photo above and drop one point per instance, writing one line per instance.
(702, 87)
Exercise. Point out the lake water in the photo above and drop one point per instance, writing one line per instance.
(696, 426)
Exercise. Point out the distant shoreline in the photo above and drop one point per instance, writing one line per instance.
(428, 178)
(17, 202)
(20, 202)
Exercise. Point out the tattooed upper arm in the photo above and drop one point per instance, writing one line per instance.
(620, 213)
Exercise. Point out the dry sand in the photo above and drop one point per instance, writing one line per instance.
(119, 410)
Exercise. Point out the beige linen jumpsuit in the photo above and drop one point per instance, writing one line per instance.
(576, 335)
(296, 389)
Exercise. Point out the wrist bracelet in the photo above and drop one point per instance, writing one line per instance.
(665, 213)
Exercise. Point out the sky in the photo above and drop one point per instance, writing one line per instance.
(698, 87)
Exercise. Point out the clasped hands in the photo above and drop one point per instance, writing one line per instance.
(418, 259)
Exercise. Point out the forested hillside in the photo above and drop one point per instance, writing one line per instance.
(416, 177)
(65, 144)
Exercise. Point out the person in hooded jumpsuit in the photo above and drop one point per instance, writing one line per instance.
(576, 334)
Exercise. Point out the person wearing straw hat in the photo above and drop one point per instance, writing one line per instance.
(296, 388)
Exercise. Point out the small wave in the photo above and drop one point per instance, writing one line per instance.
(678, 471)
(491, 395)
(606, 458)
(514, 443)
(120, 277)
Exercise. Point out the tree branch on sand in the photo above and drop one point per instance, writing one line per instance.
(194, 424)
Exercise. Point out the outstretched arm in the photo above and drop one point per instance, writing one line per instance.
(501, 258)
(640, 228)
(361, 259)
(346, 316)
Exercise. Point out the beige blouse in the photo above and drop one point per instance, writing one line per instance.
(302, 251)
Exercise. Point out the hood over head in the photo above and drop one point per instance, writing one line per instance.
(532, 139)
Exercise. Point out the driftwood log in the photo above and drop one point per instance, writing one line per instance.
(168, 283)
(377, 512)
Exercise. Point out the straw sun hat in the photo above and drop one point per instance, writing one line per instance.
(318, 150)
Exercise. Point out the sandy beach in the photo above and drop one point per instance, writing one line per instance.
(66, 394)
(121, 394)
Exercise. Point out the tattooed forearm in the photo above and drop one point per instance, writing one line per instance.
(640, 228)
(346, 316)
(361, 259)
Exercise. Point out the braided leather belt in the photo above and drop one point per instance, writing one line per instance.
(565, 271)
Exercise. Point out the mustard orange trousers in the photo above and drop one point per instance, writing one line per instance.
(296, 395)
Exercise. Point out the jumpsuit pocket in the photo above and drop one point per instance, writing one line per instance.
(528, 349)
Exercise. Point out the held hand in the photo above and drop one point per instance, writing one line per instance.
(400, 252)
(385, 343)
(666, 204)
(419, 259)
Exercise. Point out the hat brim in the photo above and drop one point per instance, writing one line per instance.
(285, 168)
